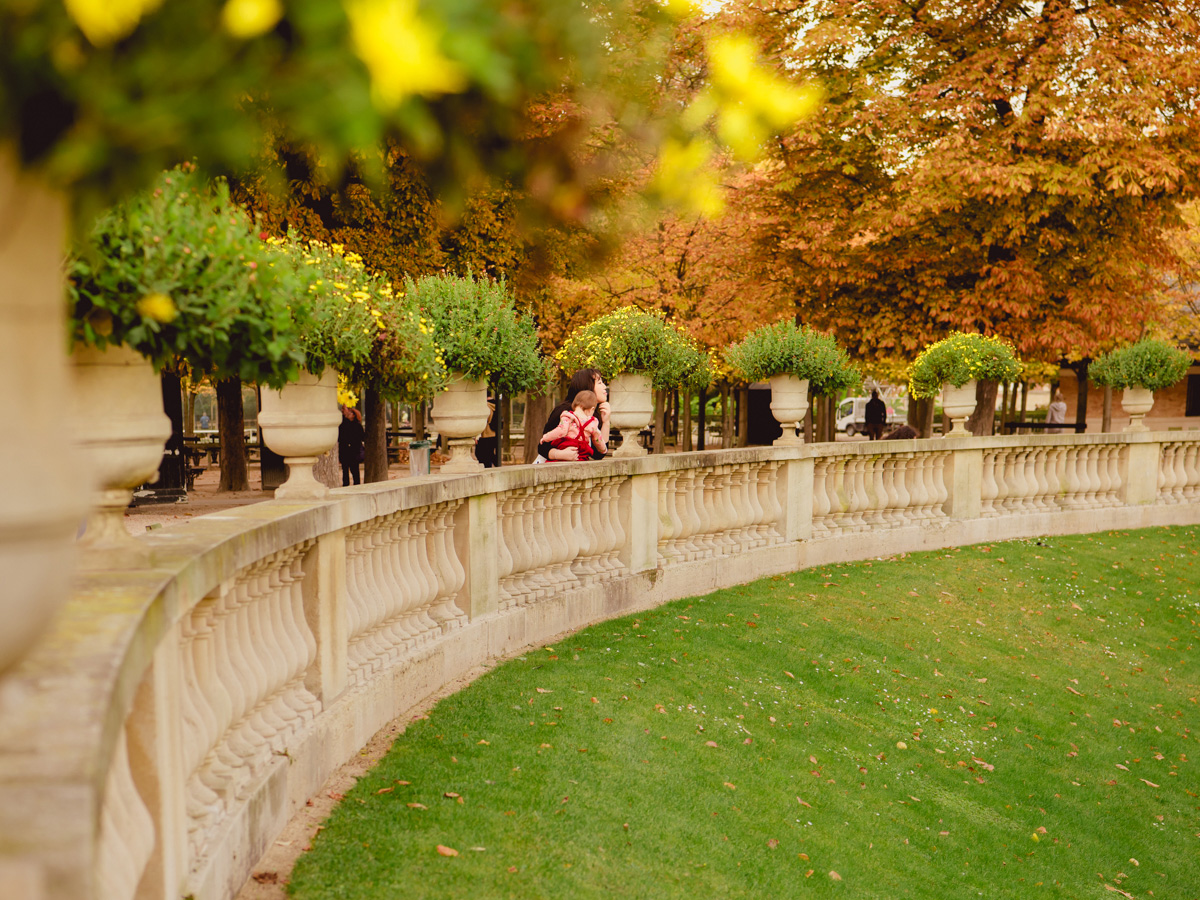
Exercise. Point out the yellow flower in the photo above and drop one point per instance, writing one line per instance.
(158, 307)
(106, 21)
(246, 19)
(401, 51)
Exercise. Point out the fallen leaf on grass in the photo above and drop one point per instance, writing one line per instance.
(417, 806)
(1073, 691)
(1117, 890)
(545, 691)
(485, 743)
(334, 795)
(803, 856)
(710, 743)
(806, 805)
(443, 850)
(731, 786)
(451, 795)
(1151, 783)
(385, 790)
(512, 869)
(772, 843)
(405, 783)
(834, 875)
(788, 674)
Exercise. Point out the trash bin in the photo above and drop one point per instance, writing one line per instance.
(418, 457)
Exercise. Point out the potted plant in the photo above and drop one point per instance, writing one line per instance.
(637, 352)
(1139, 370)
(953, 365)
(482, 338)
(174, 273)
(354, 324)
(794, 359)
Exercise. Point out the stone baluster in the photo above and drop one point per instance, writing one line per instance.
(583, 511)
(821, 507)
(840, 490)
(750, 512)
(670, 525)
(941, 487)
(900, 481)
(614, 528)
(293, 701)
(1191, 470)
(1041, 498)
(892, 514)
(876, 491)
(767, 476)
(273, 644)
(1056, 487)
(422, 619)
(127, 839)
(452, 576)
(856, 494)
(528, 560)
(1026, 484)
(1110, 476)
(1179, 489)
(928, 495)
(1074, 470)
(403, 580)
(1093, 478)
(504, 543)
(567, 541)
(989, 485)
(1004, 480)
(303, 639)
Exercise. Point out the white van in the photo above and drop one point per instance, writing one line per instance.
(852, 415)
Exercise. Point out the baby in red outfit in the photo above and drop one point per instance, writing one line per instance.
(578, 427)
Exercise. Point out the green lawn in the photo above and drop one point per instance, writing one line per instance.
(1007, 720)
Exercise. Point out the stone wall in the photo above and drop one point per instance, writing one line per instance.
(193, 695)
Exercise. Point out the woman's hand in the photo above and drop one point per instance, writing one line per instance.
(603, 411)
(565, 454)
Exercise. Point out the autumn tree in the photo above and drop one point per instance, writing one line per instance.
(1008, 167)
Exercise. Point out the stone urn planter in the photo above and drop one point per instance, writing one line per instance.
(119, 425)
(300, 422)
(1137, 402)
(958, 403)
(460, 413)
(631, 407)
(41, 473)
(789, 405)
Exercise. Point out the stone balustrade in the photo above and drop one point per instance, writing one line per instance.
(187, 701)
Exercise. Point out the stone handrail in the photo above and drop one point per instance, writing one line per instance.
(187, 701)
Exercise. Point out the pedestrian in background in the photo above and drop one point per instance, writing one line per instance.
(351, 444)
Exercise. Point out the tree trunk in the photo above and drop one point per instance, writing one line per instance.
(983, 420)
(505, 428)
(537, 409)
(809, 432)
(232, 434)
(1006, 394)
(375, 463)
(702, 415)
(1106, 421)
(825, 419)
(685, 431)
(1081, 374)
(1024, 401)
(743, 416)
(920, 416)
(418, 420)
(660, 415)
(726, 417)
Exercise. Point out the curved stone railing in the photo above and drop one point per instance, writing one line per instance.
(188, 700)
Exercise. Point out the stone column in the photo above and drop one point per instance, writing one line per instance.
(1139, 473)
(324, 592)
(964, 481)
(638, 506)
(796, 496)
(476, 532)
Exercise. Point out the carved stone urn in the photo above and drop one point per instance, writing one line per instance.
(789, 405)
(119, 425)
(460, 413)
(958, 403)
(300, 422)
(631, 407)
(1137, 402)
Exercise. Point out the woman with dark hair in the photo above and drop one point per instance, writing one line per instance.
(583, 380)
(903, 433)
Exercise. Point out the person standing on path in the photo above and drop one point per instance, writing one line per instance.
(876, 416)
(1056, 414)
(351, 438)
